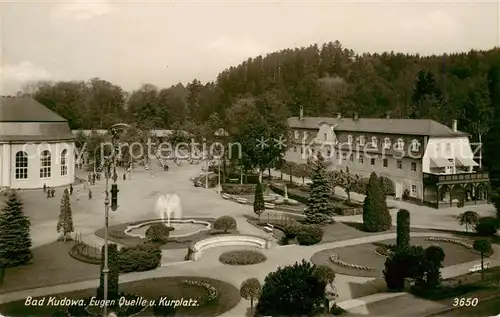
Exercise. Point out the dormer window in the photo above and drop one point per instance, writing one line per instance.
(305, 135)
(349, 139)
(400, 144)
(374, 142)
(387, 143)
(415, 146)
(296, 134)
(361, 140)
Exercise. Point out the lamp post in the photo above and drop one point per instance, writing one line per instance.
(110, 167)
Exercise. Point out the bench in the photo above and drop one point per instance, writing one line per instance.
(268, 229)
(269, 205)
(226, 196)
(242, 200)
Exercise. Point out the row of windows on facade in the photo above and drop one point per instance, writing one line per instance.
(361, 160)
(45, 164)
(415, 144)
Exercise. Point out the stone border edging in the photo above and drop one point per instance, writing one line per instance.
(143, 236)
(334, 258)
(212, 291)
(451, 240)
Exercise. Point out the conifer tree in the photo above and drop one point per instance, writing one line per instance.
(113, 275)
(376, 216)
(15, 240)
(319, 206)
(492, 140)
(65, 222)
(258, 203)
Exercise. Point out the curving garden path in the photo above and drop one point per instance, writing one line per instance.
(88, 217)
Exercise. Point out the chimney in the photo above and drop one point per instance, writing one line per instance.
(355, 116)
(339, 115)
(388, 115)
(454, 126)
(301, 113)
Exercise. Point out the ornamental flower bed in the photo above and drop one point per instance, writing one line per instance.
(451, 240)
(212, 291)
(335, 259)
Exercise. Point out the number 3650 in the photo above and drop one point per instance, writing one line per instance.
(461, 302)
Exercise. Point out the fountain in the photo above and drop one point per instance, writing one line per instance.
(169, 209)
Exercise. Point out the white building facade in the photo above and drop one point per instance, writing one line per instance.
(36, 146)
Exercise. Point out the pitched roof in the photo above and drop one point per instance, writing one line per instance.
(26, 109)
(424, 127)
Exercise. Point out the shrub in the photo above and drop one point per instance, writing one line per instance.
(238, 189)
(142, 257)
(403, 228)
(292, 230)
(360, 186)
(376, 216)
(225, 223)
(242, 257)
(158, 233)
(309, 235)
(387, 186)
(113, 275)
(336, 310)
(258, 203)
(486, 226)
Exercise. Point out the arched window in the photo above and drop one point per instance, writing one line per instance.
(64, 164)
(400, 144)
(45, 164)
(361, 140)
(21, 165)
(349, 139)
(387, 143)
(374, 142)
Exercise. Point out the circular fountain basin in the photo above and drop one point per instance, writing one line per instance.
(182, 227)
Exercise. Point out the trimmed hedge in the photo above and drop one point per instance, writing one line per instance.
(242, 257)
(78, 253)
(142, 257)
(158, 233)
(309, 235)
(238, 189)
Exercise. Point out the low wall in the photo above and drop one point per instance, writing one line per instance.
(196, 249)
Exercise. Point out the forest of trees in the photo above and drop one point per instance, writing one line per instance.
(324, 80)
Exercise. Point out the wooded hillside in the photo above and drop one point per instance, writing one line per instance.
(325, 80)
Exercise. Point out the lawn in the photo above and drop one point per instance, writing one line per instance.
(150, 289)
(363, 254)
(117, 235)
(52, 265)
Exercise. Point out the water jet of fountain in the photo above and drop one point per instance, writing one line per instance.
(169, 205)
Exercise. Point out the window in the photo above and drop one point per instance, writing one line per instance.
(325, 136)
(387, 143)
(339, 159)
(413, 167)
(64, 164)
(296, 134)
(372, 161)
(45, 164)
(329, 153)
(295, 149)
(361, 140)
(351, 158)
(349, 139)
(400, 144)
(360, 159)
(384, 162)
(374, 142)
(400, 164)
(415, 146)
(21, 165)
(301, 150)
(414, 190)
(448, 147)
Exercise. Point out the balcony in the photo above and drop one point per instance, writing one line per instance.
(459, 178)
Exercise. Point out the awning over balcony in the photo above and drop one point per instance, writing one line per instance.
(440, 162)
(465, 161)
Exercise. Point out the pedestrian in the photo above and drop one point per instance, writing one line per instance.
(53, 193)
(48, 192)
(44, 187)
(90, 177)
(71, 189)
(90, 194)
(93, 179)
(124, 176)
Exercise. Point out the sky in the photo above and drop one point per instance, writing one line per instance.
(131, 43)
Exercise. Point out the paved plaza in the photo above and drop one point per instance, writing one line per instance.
(137, 199)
